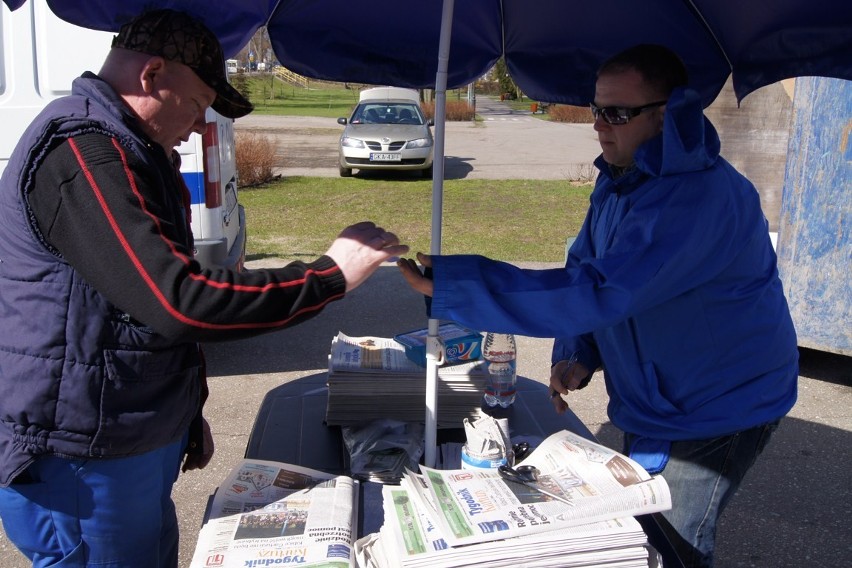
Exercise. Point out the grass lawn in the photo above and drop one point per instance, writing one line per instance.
(512, 220)
(274, 97)
(330, 100)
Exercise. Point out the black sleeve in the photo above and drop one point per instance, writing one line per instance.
(94, 204)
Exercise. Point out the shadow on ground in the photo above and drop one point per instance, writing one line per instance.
(454, 168)
(384, 308)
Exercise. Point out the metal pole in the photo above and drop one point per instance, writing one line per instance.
(433, 344)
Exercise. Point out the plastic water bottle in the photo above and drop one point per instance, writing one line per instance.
(500, 352)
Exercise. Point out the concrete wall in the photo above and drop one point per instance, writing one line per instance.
(755, 137)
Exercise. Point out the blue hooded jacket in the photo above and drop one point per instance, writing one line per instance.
(671, 286)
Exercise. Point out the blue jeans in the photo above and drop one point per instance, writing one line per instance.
(74, 513)
(703, 475)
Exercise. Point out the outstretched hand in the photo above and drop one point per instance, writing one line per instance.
(412, 274)
(361, 248)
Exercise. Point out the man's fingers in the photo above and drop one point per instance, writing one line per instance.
(411, 272)
(395, 251)
(559, 405)
(387, 243)
(407, 265)
(557, 376)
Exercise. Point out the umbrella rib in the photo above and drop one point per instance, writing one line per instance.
(272, 12)
(502, 30)
(707, 27)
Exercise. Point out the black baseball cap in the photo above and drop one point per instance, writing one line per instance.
(176, 36)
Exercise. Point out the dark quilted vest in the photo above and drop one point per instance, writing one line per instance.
(78, 377)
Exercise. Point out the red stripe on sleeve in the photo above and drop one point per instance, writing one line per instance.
(150, 282)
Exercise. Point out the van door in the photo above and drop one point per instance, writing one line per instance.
(41, 55)
(209, 167)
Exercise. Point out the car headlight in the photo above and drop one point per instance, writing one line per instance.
(351, 142)
(419, 143)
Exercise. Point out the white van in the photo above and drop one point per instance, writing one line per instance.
(40, 55)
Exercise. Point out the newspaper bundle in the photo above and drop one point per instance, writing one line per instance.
(269, 513)
(371, 378)
(476, 517)
(408, 539)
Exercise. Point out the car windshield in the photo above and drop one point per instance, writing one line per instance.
(387, 113)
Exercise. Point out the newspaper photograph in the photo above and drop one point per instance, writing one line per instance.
(268, 513)
(578, 481)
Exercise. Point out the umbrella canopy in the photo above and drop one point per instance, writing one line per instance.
(552, 47)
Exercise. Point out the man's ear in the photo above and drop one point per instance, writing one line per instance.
(151, 71)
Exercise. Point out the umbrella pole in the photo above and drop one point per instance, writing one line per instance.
(434, 350)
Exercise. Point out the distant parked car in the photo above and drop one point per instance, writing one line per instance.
(386, 131)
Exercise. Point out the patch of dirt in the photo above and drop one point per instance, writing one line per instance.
(303, 147)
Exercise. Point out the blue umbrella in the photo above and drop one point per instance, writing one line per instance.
(552, 49)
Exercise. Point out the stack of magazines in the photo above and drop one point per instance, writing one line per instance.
(371, 378)
(578, 512)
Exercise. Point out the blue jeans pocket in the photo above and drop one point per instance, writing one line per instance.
(650, 453)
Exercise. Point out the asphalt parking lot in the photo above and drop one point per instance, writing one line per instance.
(504, 145)
(795, 506)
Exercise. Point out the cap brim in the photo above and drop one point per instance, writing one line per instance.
(230, 103)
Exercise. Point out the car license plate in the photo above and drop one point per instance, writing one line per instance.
(385, 157)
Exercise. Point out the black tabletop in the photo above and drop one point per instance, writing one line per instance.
(290, 424)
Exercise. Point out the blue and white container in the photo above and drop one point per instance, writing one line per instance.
(472, 460)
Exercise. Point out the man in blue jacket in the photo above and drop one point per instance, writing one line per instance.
(671, 287)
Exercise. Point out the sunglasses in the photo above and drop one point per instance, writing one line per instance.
(621, 115)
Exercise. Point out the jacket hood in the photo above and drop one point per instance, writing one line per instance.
(689, 141)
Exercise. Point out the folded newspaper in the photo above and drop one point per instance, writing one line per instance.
(269, 513)
(371, 378)
(455, 517)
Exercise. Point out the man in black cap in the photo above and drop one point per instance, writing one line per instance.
(102, 305)
(177, 37)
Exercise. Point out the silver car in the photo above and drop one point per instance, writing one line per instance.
(386, 134)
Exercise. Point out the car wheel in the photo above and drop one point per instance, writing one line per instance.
(345, 172)
(427, 173)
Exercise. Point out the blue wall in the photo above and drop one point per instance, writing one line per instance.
(815, 233)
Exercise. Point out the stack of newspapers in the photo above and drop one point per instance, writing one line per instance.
(371, 378)
(270, 513)
(579, 512)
